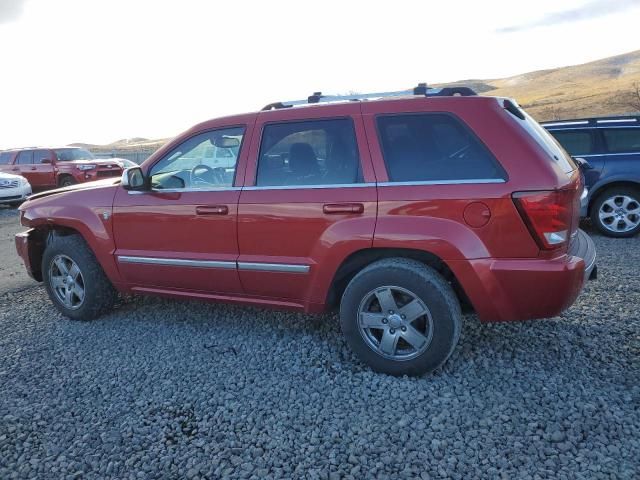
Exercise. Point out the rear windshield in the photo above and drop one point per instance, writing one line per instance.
(70, 154)
(548, 143)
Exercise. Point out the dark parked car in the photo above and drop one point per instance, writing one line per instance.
(611, 145)
(393, 210)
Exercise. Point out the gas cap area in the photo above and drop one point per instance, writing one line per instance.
(476, 214)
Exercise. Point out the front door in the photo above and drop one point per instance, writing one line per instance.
(42, 170)
(181, 235)
(24, 166)
(309, 202)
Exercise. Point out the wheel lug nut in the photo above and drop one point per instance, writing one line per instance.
(403, 317)
(392, 331)
(404, 329)
(391, 312)
(385, 321)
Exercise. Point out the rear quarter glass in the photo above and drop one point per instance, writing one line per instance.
(549, 144)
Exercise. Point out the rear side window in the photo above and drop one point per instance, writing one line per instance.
(5, 158)
(320, 152)
(25, 157)
(622, 140)
(576, 142)
(434, 147)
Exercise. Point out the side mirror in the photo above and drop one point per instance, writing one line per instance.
(134, 179)
(45, 160)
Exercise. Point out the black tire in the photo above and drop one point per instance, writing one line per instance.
(615, 194)
(426, 285)
(99, 294)
(66, 181)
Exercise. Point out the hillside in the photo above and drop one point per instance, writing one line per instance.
(603, 87)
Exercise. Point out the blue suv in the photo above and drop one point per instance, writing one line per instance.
(611, 147)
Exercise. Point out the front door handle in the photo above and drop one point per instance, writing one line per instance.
(33, 168)
(212, 210)
(333, 208)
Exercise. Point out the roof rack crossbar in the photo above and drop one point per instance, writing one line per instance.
(420, 90)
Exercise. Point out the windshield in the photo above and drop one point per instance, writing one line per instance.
(70, 154)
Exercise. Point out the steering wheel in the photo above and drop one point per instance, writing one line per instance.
(217, 174)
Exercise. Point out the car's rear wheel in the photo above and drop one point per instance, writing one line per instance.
(616, 212)
(66, 181)
(400, 317)
(74, 279)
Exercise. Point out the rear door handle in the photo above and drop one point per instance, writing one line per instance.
(212, 210)
(333, 208)
(33, 168)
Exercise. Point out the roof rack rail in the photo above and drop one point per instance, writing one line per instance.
(420, 90)
(595, 121)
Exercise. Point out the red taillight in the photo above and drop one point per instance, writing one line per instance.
(548, 215)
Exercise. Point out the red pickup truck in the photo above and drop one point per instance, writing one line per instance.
(397, 209)
(47, 168)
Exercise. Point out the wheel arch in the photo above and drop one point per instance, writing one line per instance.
(360, 259)
(599, 188)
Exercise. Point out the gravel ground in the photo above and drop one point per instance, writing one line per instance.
(168, 389)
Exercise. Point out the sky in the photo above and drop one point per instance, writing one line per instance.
(101, 70)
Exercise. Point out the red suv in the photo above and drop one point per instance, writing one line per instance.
(396, 211)
(57, 167)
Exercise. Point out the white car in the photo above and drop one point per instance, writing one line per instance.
(14, 189)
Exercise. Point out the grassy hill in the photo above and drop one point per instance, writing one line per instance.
(603, 87)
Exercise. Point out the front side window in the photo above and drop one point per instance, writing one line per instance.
(25, 157)
(622, 140)
(576, 142)
(71, 154)
(318, 152)
(40, 155)
(434, 147)
(202, 162)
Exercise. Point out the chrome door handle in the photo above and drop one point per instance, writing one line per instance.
(212, 210)
(333, 208)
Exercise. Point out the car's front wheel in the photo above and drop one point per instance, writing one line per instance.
(400, 317)
(74, 279)
(616, 212)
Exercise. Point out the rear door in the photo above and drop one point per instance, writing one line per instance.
(309, 201)
(25, 167)
(42, 170)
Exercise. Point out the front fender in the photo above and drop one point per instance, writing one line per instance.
(76, 210)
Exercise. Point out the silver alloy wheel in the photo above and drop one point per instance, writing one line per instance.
(395, 323)
(67, 282)
(620, 213)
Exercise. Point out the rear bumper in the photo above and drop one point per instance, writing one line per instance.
(523, 289)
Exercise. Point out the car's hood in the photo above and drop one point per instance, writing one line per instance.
(101, 162)
(9, 176)
(79, 186)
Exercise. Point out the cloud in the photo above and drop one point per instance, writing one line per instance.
(10, 10)
(592, 9)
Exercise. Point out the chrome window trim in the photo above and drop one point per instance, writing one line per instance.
(185, 190)
(248, 266)
(607, 154)
(443, 182)
(305, 187)
(621, 120)
(590, 127)
(273, 267)
(558, 124)
(177, 262)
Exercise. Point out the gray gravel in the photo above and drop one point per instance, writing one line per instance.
(167, 389)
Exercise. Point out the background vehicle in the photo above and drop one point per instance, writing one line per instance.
(396, 211)
(57, 167)
(611, 145)
(14, 189)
